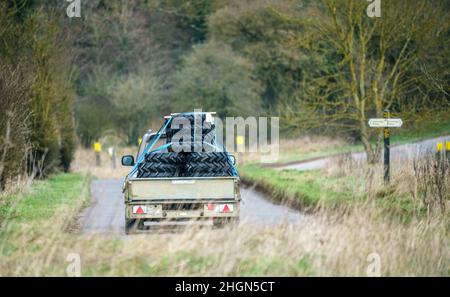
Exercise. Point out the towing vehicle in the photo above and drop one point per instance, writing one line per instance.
(181, 173)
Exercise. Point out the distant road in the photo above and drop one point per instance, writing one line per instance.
(397, 152)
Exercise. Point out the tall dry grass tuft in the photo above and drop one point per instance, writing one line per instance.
(432, 179)
(419, 183)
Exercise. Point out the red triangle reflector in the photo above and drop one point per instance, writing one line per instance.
(139, 210)
(226, 208)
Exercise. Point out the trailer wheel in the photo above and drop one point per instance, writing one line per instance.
(130, 226)
(133, 225)
(222, 222)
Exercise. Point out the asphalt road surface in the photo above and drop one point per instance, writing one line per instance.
(106, 212)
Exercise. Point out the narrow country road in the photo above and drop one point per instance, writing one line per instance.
(397, 152)
(106, 212)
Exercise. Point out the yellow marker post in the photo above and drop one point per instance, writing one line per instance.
(439, 152)
(139, 141)
(98, 147)
(447, 152)
(97, 150)
(240, 140)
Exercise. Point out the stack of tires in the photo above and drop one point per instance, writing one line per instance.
(196, 129)
(196, 161)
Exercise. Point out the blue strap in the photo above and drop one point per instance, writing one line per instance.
(156, 138)
(149, 146)
(162, 147)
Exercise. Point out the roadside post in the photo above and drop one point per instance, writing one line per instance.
(240, 148)
(97, 150)
(387, 149)
(112, 154)
(386, 122)
(439, 152)
(447, 153)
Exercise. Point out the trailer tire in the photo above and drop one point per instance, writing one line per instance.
(130, 226)
(222, 222)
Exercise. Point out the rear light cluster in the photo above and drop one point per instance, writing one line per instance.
(223, 208)
(212, 207)
(138, 209)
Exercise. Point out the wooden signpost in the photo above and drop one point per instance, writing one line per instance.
(386, 123)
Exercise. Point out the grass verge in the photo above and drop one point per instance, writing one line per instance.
(62, 193)
(305, 190)
(32, 219)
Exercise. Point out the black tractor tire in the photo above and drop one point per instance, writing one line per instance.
(154, 169)
(165, 158)
(208, 169)
(210, 157)
(131, 226)
(222, 222)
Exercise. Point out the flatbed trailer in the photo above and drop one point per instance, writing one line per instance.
(175, 198)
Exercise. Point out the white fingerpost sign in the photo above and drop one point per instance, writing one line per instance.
(385, 123)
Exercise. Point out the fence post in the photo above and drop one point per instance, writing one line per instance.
(112, 154)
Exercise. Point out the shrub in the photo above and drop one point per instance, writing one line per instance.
(14, 127)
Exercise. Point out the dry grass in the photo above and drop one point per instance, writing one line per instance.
(326, 246)
(307, 147)
(84, 162)
(418, 184)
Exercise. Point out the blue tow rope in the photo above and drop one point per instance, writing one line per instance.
(149, 147)
(156, 138)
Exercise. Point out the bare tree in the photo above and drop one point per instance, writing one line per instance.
(360, 66)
